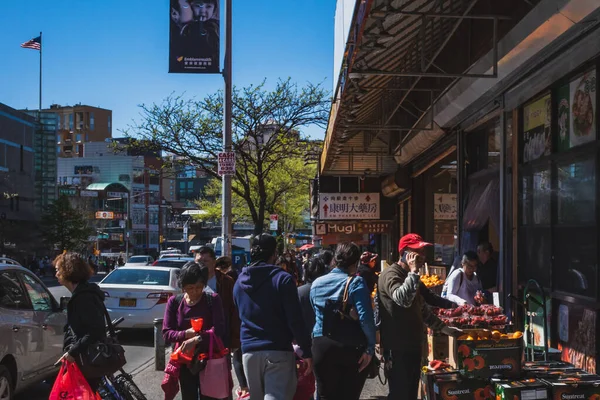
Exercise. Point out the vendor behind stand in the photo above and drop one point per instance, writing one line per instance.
(463, 283)
(488, 267)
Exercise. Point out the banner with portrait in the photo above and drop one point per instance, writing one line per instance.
(194, 40)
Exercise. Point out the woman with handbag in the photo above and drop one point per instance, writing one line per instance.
(177, 326)
(85, 311)
(344, 331)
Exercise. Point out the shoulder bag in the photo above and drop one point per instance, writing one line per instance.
(104, 357)
(340, 321)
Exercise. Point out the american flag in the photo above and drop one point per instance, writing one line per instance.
(34, 44)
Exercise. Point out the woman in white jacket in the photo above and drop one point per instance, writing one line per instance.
(463, 283)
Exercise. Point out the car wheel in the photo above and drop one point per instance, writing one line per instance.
(5, 384)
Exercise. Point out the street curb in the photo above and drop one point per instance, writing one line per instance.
(148, 364)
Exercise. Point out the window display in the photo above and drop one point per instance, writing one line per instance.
(577, 192)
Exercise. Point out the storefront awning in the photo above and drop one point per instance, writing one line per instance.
(104, 185)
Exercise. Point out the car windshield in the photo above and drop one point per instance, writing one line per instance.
(172, 262)
(138, 259)
(138, 277)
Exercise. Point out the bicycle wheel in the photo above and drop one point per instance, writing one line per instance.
(106, 391)
(129, 389)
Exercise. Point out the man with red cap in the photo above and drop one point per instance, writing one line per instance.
(404, 313)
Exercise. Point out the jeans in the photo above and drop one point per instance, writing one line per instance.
(190, 385)
(271, 375)
(238, 366)
(403, 376)
(336, 369)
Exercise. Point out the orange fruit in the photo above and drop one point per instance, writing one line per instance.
(517, 335)
(496, 335)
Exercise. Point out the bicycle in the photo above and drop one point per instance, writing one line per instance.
(119, 386)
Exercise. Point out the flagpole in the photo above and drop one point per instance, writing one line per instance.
(40, 100)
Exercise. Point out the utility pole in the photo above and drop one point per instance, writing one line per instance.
(226, 228)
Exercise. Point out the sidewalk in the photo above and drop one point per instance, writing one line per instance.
(149, 381)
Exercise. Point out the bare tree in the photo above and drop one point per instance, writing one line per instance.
(266, 131)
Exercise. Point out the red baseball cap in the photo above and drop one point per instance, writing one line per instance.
(412, 241)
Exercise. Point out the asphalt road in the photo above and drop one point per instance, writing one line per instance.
(138, 344)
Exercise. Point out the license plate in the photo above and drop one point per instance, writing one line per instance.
(127, 302)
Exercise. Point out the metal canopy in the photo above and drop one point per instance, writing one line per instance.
(395, 69)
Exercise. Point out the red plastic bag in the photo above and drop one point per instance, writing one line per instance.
(71, 384)
(305, 388)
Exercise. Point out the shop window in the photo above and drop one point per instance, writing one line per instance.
(535, 248)
(541, 197)
(575, 260)
(576, 195)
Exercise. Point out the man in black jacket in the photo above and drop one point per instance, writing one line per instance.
(404, 313)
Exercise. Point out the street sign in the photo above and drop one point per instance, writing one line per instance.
(274, 218)
(226, 163)
(105, 215)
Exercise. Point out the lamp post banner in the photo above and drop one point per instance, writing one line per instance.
(194, 36)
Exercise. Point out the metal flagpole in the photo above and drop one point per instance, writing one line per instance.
(40, 102)
(226, 228)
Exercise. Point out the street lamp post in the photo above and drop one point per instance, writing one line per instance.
(226, 229)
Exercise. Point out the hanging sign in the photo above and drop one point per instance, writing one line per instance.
(105, 215)
(349, 206)
(444, 206)
(274, 222)
(194, 36)
(226, 163)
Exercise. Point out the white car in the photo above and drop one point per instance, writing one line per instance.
(139, 261)
(139, 294)
(31, 330)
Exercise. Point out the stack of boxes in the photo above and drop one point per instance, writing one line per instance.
(488, 367)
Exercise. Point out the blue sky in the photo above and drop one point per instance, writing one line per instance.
(113, 53)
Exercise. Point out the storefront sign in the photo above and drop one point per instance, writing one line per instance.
(330, 239)
(105, 215)
(118, 195)
(194, 37)
(349, 206)
(67, 192)
(444, 207)
(88, 193)
(226, 163)
(577, 112)
(580, 347)
(351, 228)
(537, 140)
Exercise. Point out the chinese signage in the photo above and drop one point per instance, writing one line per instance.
(351, 228)
(537, 141)
(67, 192)
(88, 193)
(226, 163)
(577, 112)
(444, 206)
(194, 37)
(349, 206)
(118, 195)
(105, 215)
(273, 222)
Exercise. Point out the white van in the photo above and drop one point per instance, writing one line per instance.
(240, 248)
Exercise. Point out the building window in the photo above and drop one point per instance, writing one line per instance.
(70, 122)
(58, 139)
(58, 149)
(21, 159)
(78, 149)
(92, 123)
(109, 123)
(78, 138)
(58, 122)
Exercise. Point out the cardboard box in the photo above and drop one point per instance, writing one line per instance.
(487, 358)
(438, 346)
(530, 389)
(456, 387)
(575, 390)
(428, 379)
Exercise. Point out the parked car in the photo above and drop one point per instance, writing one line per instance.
(139, 294)
(31, 330)
(137, 261)
(169, 251)
(173, 262)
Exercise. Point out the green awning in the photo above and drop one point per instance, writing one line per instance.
(103, 186)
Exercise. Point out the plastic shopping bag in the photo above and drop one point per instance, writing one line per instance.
(215, 378)
(70, 384)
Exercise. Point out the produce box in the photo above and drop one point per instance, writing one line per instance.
(428, 378)
(481, 353)
(456, 387)
(575, 390)
(530, 389)
(437, 345)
